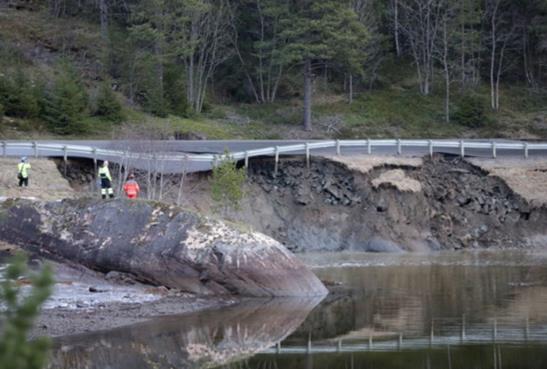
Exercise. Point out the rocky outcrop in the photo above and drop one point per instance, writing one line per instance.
(159, 244)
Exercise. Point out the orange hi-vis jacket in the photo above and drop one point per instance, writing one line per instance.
(131, 189)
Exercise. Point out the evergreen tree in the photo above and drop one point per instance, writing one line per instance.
(18, 314)
(108, 106)
(227, 184)
(66, 104)
(19, 95)
(321, 31)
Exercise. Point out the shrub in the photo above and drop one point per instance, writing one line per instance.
(227, 183)
(18, 314)
(108, 106)
(470, 112)
(66, 103)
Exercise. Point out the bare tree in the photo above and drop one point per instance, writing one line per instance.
(421, 23)
(204, 36)
(262, 69)
(502, 33)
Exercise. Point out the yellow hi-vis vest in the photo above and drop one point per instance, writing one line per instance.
(23, 169)
(104, 173)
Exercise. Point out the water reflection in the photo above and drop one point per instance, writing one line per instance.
(390, 299)
(453, 310)
(192, 341)
(448, 357)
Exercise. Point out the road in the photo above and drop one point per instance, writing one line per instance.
(219, 147)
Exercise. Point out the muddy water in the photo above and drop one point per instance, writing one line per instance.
(447, 310)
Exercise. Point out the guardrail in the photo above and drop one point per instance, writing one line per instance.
(430, 146)
(476, 333)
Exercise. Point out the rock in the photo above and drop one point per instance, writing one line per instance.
(95, 290)
(379, 245)
(158, 244)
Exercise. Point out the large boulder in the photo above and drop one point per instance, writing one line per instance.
(159, 244)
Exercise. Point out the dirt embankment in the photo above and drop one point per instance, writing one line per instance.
(368, 203)
(45, 181)
(413, 205)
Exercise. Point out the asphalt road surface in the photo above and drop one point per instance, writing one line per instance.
(219, 147)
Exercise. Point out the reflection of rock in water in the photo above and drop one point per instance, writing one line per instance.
(192, 341)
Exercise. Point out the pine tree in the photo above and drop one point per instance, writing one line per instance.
(108, 106)
(227, 184)
(321, 31)
(66, 104)
(17, 316)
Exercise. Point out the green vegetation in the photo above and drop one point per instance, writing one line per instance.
(108, 106)
(16, 351)
(259, 69)
(227, 183)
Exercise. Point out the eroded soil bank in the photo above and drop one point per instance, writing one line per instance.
(412, 204)
(374, 203)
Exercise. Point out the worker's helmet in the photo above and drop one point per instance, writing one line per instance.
(23, 159)
(105, 163)
(131, 176)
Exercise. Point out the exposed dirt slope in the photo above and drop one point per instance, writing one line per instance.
(45, 181)
(528, 178)
(446, 203)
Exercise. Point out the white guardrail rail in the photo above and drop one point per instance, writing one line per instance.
(37, 149)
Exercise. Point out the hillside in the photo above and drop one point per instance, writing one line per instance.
(35, 44)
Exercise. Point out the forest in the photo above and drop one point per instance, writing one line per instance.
(354, 67)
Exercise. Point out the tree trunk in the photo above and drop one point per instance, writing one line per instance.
(307, 94)
(350, 88)
(396, 27)
(493, 58)
(446, 74)
(103, 9)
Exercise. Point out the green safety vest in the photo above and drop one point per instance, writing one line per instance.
(104, 173)
(23, 169)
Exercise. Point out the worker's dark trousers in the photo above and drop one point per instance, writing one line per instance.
(23, 182)
(106, 188)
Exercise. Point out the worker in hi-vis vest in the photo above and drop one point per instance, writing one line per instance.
(22, 172)
(131, 187)
(106, 180)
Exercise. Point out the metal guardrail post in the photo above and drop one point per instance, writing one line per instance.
(4, 149)
(308, 348)
(276, 167)
(527, 329)
(338, 147)
(370, 342)
(399, 147)
(430, 145)
(35, 147)
(369, 146)
(526, 150)
(495, 330)
(339, 346)
(432, 333)
(65, 159)
(462, 336)
(462, 149)
(307, 155)
(278, 347)
(400, 342)
(246, 160)
(494, 149)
